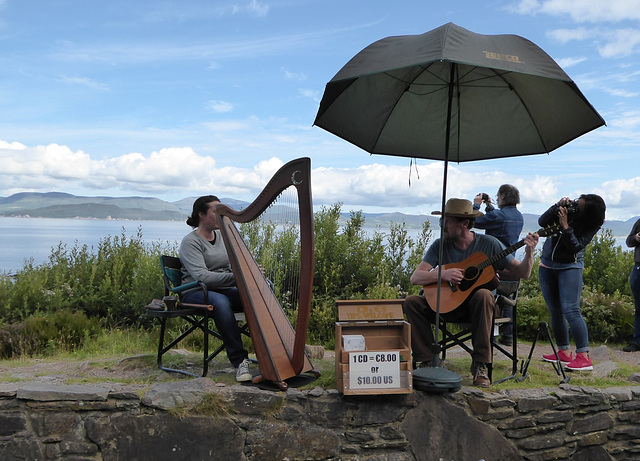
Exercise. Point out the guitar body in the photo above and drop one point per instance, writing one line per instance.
(475, 276)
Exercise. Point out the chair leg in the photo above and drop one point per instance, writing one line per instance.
(205, 357)
(163, 327)
(513, 354)
(202, 324)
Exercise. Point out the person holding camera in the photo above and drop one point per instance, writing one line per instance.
(633, 241)
(560, 273)
(504, 223)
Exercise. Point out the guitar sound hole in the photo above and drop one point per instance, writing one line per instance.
(471, 273)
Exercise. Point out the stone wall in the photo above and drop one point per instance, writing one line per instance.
(199, 420)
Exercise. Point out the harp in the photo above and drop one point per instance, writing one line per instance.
(279, 347)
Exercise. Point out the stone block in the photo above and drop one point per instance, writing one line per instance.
(12, 423)
(597, 422)
(75, 392)
(275, 442)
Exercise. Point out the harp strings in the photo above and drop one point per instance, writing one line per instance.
(274, 241)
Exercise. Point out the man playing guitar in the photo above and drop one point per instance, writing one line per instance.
(464, 288)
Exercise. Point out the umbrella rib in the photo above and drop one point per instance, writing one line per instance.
(407, 89)
(533, 121)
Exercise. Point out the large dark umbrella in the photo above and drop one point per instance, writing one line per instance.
(451, 94)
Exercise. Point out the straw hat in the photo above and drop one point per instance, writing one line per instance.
(459, 208)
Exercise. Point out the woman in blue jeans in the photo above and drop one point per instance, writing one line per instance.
(560, 273)
(633, 241)
(204, 258)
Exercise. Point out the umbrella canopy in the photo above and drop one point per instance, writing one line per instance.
(451, 94)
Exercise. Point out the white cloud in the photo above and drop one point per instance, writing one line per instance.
(314, 95)
(620, 92)
(565, 63)
(180, 172)
(258, 8)
(620, 43)
(567, 35)
(289, 75)
(621, 197)
(220, 106)
(84, 81)
(610, 43)
(584, 10)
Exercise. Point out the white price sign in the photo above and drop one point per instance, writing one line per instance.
(374, 370)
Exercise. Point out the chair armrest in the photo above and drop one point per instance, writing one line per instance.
(186, 286)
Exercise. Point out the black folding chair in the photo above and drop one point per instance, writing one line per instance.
(197, 315)
(507, 292)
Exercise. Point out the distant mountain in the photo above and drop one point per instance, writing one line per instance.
(63, 205)
(186, 204)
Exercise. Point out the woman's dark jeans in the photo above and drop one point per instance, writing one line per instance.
(225, 302)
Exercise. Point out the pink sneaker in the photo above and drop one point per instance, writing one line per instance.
(565, 357)
(582, 362)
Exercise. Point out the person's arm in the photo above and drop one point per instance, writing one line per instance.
(426, 274)
(633, 240)
(491, 220)
(522, 269)
(548, 217)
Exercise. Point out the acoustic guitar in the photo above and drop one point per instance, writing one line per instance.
(478, 273)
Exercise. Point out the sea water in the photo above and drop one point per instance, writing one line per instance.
(23, 239)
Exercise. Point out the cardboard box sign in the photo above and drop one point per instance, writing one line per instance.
(369, 310)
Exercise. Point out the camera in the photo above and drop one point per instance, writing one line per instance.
(572, 207)
(485, 197)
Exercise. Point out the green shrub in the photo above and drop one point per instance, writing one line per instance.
(609, 317)
(531, 311)
(61, 330)
(110, 284)
(606, 265)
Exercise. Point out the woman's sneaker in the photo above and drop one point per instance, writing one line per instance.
(582, 362)
(243, 374)
(564, 356)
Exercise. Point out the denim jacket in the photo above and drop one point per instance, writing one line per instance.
(504, 223)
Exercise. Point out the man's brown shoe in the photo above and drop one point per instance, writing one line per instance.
(480, 375)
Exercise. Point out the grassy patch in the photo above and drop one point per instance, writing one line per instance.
(542, 374)
(211, 405)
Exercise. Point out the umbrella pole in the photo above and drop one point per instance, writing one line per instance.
(436, 345)
(434, 378)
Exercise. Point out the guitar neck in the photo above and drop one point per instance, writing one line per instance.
(498, 256)
(551, 229)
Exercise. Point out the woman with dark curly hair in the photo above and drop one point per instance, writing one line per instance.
(560, 273)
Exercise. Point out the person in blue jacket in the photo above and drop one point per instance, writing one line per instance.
(505, 222)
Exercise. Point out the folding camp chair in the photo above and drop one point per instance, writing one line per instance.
(197, 315)
(506, 293)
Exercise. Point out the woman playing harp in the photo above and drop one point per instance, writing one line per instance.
(204, 258)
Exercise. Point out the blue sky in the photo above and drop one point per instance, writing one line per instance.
(178, 99)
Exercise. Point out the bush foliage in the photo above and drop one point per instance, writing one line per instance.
(80, 289)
